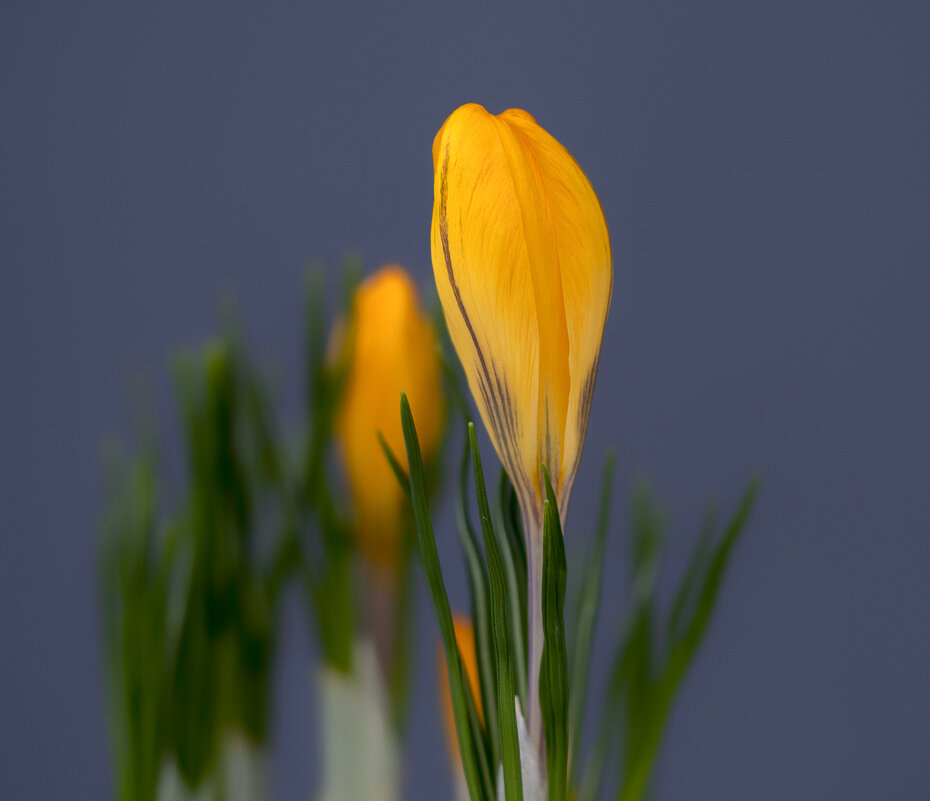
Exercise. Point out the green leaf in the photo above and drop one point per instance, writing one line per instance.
(625, 710)
(685, 595)
(649, 723)
(515, 572)
(133, 587)
(503, 637)
(481, 746)
(396, 467)
(509, 511)
(684, 649)
(481, 615)
(553, 680)
(586, 619)
(431, 567)
(326, 571)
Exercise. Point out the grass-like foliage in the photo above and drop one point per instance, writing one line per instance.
(188, 596)
(651, 658)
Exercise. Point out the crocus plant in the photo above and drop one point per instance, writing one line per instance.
(523, 269)
(521, 258)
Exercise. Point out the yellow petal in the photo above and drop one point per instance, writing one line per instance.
(392, 350)
(587, 279)
(521, 258)
(481, 266)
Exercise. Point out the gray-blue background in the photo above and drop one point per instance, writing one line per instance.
(765, 173)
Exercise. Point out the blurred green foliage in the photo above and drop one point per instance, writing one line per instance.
(190, 596)
(189, 599)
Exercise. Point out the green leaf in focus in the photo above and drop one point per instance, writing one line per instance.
(553, 679)
(515, 573)
(481, 615)
(503, 637)
(430, 559)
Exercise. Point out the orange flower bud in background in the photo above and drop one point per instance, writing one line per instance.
(392, 349)
(465, 639)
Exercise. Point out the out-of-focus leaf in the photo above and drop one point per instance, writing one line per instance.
(683, 649)
(133, 609)
(688, 587)
(396, 467)
(585, 620)
(647, 719)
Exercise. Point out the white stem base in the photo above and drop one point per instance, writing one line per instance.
(361, 757)
(535, 786)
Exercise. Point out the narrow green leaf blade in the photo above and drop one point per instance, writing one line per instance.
(586, 619)
(481, 613)
(683, 651)
(506, 712)
(553, 680)
(515, 572)
(689, 587)
(396, 467)
(681, 655)
(437, 587)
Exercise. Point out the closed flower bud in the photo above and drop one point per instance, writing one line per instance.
(521, 257)
(522, 262)
(392, 348)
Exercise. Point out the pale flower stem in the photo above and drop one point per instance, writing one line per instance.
(360, 755)
(379, 609)
(535, 633)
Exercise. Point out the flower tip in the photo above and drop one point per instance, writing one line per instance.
(461, 112)
(519, 114)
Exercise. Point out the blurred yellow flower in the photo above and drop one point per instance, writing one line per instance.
(391, 348)
(465, 639)
(522, 262)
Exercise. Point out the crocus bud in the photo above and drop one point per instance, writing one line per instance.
(465, 639)
(392, 349)
(521, 257)
(522, 262)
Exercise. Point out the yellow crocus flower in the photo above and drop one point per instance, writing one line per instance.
(521, 257)
(392, 348)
